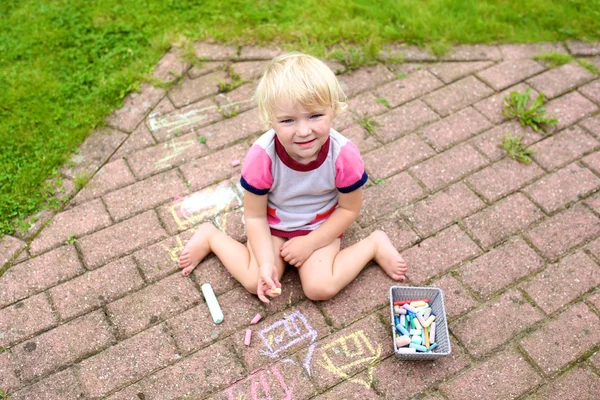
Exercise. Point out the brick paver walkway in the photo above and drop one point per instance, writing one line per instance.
(92, 305)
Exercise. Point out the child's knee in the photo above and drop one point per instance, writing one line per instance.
(318, 291)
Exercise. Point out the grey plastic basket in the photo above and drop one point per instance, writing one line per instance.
(436, 297)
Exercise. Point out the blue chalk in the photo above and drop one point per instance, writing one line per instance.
(433, 346)
(418, 347)
(401, 329)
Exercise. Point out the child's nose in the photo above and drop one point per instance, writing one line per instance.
(304, 129)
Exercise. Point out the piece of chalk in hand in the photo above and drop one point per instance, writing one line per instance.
(256, 318)
(212, 303)
(276, 291)
(248, 337)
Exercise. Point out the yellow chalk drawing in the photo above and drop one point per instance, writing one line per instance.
(174, 253)
(357, 348)
(172, 123)
(203, 204)
(178, 148)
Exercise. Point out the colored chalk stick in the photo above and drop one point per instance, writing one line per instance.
(418, 347)
(248, 336)
(418, 303)
(410, 308)
(402, 330)
(276, 291)
(429, 320)
(402, 302)
(256, 318)
(433, 346)
(406, 350)
(432, 332)
(402, 341)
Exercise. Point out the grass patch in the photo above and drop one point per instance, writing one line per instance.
(66, 64)
(3, 395)
(383, 101)
(588, 65)
(236, 81)
(367, 122)
(514, 148)
(80, 180)
(352, 57)
(516, 105)
(554, 59)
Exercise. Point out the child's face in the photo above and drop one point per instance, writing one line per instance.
(302, 132)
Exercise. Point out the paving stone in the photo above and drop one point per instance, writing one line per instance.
(194, 377)
(263, 53)
(457, 95)
(505, 218)
(364, 79)
(361, 138)
(581, 48)
(485, 329)
(166, 126)
(111, 176)
(350, 350)
(442, 209)
(493, 107)
(560, 80)
(351, 389)
(238, 100)
(569, 108)
(502, 178)
(595, 360)
(400, 234)
(510, 72)
(9, 247)
(455, 128)
(595, 61)
(25, 319)
(519, 51)
(416, 376)
(232, 224)
(384, 198)
(9, 381)
(396, 156)
(192, 90)
(448, 167)
(438, 254)
(161, 259)
(404, 90)
(249, 70)
(120, 239)
(594, 300)
(214, 51)
(564, 231)
(592, 91)
(163, 107)
(563, 148)
(213, 271)
(73, 223)
(38, 274)
(365, 104)
(153, 304)
(489, 143)
(500, 267)
(62, 385)
(214, 167)
(127, 361)
(505, 375)
(139, 139)
(135, 107)
(145, 194)
(96, 288)
(578, 383)
(434, 396)
(195, 328)
(282, 334)
(33, 224)
(449, 72)
(63, 345)
(206, 67)
(170, 67)
(405, 52)
(371, 286)
(231, 130)
(561, 283)
(199, 206)
(282, 380)
(473, 52)
(457, 299)
(93, 153)
(403, 120)
(582, 328)
(592, 124)
(563, 187)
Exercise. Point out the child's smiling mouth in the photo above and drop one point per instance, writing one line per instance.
(306, 144)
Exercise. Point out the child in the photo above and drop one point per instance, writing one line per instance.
(303, 183)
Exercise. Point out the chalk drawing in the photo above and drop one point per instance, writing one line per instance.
(178, 148)
(286, 333)
(203, 204)
(357, 350)
(261, 384)
(174, 252)
(172, 123)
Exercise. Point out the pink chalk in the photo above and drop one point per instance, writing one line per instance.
(248, 336)
(235, 163)
(256, 319)
(402, 341)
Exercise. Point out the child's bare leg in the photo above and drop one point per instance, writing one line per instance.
(236, 257)
(329, 270)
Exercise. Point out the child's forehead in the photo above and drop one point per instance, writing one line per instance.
(289, 106)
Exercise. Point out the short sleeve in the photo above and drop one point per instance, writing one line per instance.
(257, 177)
(350, 169)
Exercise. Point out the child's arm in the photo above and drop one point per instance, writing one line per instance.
(259, 236)
(296, 250)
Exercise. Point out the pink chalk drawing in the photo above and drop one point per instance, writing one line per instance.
(261, 384)
(286, 333)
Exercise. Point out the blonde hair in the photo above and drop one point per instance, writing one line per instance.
(298, 78)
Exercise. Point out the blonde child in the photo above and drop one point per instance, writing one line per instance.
(303, 188)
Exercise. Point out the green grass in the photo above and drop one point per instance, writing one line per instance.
(517, 105)
(370, 124)
(66, 64)
(556, 59)
(514, 148)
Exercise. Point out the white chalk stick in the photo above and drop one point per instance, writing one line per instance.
(213, 305)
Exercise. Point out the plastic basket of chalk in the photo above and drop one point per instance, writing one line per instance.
(438, 325)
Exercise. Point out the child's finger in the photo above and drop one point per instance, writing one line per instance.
(261, 294)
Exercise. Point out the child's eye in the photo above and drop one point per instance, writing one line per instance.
(286, 121)
(316, 115)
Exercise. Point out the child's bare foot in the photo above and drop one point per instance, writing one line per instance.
(388, 257)
(196, 249)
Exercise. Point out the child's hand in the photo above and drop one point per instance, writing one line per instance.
(267, 281)
(297, 250)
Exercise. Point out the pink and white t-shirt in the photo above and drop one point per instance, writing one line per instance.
(301, 196)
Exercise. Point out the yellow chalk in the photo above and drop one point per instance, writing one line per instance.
(429, 321)
(276, 291)
(419, 303)
(426, 337)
